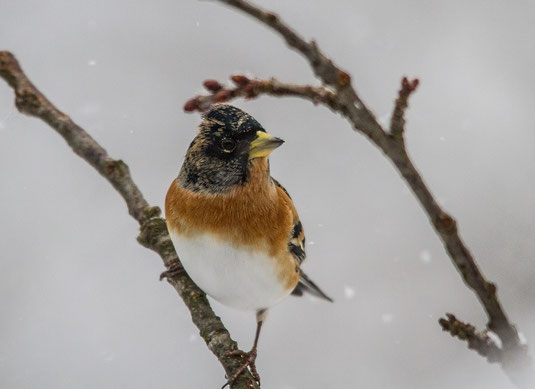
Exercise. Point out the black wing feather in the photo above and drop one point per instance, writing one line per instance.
(307, 285)
(296, 246)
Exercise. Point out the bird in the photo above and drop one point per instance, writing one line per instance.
(235, 228)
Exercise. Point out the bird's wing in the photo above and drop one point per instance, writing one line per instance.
(305, 284)
(296, 246)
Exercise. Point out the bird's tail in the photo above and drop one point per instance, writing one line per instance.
(305, 284)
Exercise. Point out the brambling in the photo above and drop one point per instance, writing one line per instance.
(235, 228)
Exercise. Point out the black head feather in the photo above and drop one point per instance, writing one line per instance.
(218, 158)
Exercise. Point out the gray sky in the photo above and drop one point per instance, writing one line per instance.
(80, 299)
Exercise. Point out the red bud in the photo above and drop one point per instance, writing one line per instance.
(222, 96)
(240, 80)
(191, 105)
(212, 85)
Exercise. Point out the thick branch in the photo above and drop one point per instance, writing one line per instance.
(515, 359)
(153, 229)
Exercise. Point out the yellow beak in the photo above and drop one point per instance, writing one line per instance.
(263, 145)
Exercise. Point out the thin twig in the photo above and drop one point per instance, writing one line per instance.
(478, 341)
(153, 229)
(515, 359)
(251, 88)
(397, 122)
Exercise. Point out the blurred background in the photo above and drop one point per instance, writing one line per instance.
(80, 301)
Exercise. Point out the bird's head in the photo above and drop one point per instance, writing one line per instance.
(227, 144)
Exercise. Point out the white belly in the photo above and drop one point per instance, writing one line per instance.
(243, 279)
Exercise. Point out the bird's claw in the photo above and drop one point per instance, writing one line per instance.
(174, 269)
(250, 359)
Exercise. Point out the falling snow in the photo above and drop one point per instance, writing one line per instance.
(89, 108)
(387, 317)
(425, 256)
(108, 356)
(349, 292)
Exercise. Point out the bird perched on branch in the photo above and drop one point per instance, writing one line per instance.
(235, 227)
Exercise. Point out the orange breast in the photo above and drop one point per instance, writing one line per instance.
(257, 214)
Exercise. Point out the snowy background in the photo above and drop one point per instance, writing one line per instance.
(80, 301)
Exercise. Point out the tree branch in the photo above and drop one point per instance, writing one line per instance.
(249, 89)
(397, 122)
(478, 341)
(153, 229)
(515, 359)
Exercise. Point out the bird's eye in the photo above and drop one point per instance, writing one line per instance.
(228, 145)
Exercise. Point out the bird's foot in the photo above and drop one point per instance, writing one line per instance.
(250, 359)
(175, 268)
